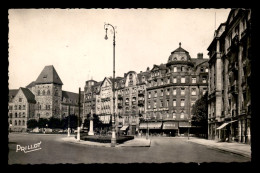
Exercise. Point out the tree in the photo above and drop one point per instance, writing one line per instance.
(42, 122)
(73, 122)
(54, 123)
(32, 123)
(200, 114)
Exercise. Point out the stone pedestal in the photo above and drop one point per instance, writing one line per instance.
(78, 134)
(91, 132)
(68, 131)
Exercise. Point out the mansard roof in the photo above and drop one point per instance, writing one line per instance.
(49, 75)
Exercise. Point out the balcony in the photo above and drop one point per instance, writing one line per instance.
(105, 99)
(119, 105)
(119, 97)
(140, 102)
(141, 93)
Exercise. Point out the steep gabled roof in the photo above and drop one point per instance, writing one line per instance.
(12, 93)
(48, 75)
(29, 95)
(32, 84)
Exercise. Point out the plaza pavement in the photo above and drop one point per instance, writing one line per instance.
(233, 147)
(237, 148)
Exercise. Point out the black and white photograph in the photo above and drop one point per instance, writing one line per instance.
(123, 86)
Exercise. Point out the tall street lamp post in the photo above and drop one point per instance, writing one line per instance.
(113, 139)
(78, 132)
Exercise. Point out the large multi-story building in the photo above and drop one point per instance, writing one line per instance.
(163, 95)
(172, 89)
(42, 98)
(229, 109)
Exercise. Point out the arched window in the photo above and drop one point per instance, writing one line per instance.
(15, 114)
(182, 68)
(39, 92)
(19, 114)
(48, 92)
(23, 123)
(15, 123)
(43, 92)
(182, 58)
(10, 122)
(11, 115)
(19, 122)
(174, 58)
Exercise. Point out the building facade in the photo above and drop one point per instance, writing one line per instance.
(21, 109)
(159, 99)
(42, 98)
(230, 79)
(172, 89)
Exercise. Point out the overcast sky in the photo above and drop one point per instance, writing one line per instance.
(72, 40)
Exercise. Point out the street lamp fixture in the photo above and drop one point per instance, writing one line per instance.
(113, 138)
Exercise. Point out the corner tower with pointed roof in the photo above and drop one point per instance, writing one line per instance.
(48, 93)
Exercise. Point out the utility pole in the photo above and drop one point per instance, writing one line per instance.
(69, 122)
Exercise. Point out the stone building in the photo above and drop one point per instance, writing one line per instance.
(21, 108)
(230, 79)
(48, 98)
(172, 89)
(163, 95)
(129, 100)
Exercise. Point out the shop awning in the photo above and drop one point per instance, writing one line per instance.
(170, 125)
(124, 127)
(224, 124)
(151, 125)
(184, 124)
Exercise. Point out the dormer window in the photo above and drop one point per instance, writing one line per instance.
(182, 58)
(175, 59)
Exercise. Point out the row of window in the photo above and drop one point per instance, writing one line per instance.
(17, 115)
(17, 123)
(173, 115)
(174, 92)
(181, 69)
(48, 92)
(174, 103)
(174, 80)
(20, 107)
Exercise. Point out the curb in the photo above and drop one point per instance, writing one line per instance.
(108, 146)
(224, 149)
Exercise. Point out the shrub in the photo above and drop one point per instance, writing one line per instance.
(105, 139)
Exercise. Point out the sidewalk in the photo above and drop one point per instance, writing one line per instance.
(237, 148)
(136, 142)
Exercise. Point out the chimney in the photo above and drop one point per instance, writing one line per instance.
(200, 56)
(148, 69)
(141, 72)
